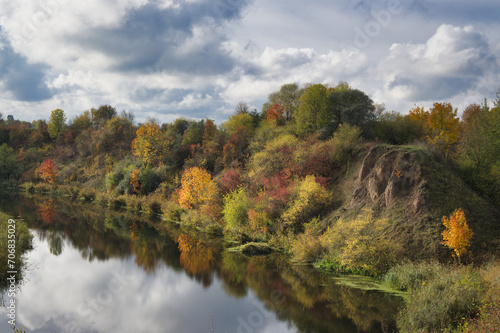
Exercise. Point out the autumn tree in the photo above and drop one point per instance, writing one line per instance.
(442, 126)
(276, 112)
(81, 122)
(56, 123)
(287, 97)
(457, 234)
(235, 121)
(48, 171)
(102, 114)
(197, 188)
(150, 144)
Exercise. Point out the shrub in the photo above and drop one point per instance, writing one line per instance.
(307, 247)
(442, 302)
(171, 211)
(346, 141)
(29, 187)
(235, 211)
(87, 194)
(148, 179)
(311, 199)
(360, 243)
(276, 157)
(409, 276)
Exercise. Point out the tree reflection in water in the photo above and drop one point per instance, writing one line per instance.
(48, 211)
(300, 295)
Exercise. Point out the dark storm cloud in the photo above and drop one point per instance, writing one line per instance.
(155, 39)
(25, 81)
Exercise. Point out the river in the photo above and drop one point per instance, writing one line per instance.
(94, 269)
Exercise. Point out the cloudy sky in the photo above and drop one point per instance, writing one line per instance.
(200, 58)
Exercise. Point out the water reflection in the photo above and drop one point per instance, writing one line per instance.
(177, 281)
(48, 210)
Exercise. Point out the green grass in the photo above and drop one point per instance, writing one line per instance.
(439, 298)
(23, 243)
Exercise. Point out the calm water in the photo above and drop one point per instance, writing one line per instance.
(99, 270)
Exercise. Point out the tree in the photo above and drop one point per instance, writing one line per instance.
(197, 188)
(457, 234)
(102, 114)
(312, 112)
(235, 121)
(150, 144)
(442, 126)
(287, 97)
(349, 106)
(242, 107)
(56, 123)
(81, 122)
(276, 113)
(8, 162)
(48, 171)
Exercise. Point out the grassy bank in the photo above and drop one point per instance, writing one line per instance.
(12, 249)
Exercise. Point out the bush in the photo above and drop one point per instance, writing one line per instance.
(171, 211)
(409, 276)
(87, 194)
(149, 179)
(360, 244)
(346, 140)
(311, 199)
(442, 302)
(29, 187)
(307, 246)
(235, 211)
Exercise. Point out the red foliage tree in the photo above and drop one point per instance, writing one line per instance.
(276, 112)
(48, 171)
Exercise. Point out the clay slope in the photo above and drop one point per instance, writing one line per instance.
(413, 188)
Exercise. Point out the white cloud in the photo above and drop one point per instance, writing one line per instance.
(448, 64)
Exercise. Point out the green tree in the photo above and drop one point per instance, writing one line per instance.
(56, 123)
(238, 120)
(8, 162)
(349, 106)
(478, 149)
(312, 112)
(287, 97)
(102, 114)
(81, 122)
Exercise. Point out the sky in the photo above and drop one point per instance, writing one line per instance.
(199, 58)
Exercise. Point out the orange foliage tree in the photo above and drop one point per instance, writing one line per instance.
(457, 234)
(150, 144)
(276, 112)
(197, 187)
(48, 171)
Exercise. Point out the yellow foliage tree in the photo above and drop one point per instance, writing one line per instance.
(418, 114)
(150, 144)
(360, 243)
(457, 234)
(312, 197)
(197, 187)
(442, 126)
